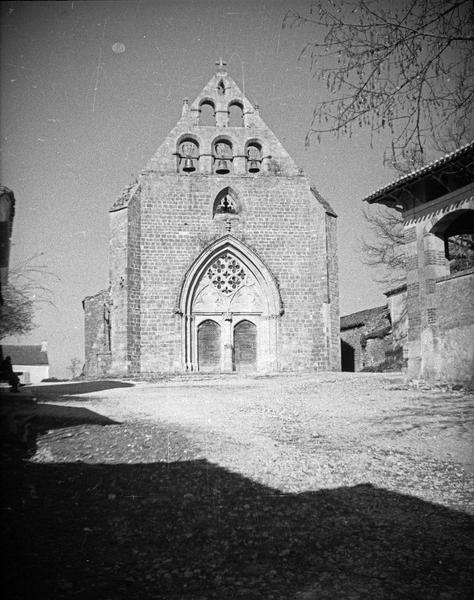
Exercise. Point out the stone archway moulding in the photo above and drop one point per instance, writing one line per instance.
(271, 309)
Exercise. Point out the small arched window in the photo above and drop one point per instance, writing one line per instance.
(223, 157)
(226, 203)
(207, 113)
(221, 87)
(236, 114)
(188, 155)
(253, 155)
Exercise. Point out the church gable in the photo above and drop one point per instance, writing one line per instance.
(222, 132)
(222, 255)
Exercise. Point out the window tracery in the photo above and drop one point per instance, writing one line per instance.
(226, 274)
(226, 204)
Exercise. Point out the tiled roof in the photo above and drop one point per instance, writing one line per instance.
(364, 317)
(396, 290)
(420, 172)
(96, 295)
(25, 355)
(380, 333)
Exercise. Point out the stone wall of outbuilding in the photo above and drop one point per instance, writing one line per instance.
(97, 334)
(455, 308)
(440, 347)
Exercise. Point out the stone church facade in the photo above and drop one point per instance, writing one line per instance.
(222, 255)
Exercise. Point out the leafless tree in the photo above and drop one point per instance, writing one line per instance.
(383, 248)
(405, 67)
(26, 288)
(16, 312)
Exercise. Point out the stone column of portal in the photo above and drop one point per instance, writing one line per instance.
(227, 363)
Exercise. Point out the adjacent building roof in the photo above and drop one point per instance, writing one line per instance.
(373, 317)
(25, 355)
(451, 171)
(102, 295)
(397, 290)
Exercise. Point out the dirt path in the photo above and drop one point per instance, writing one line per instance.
(308, 487)
(309, 432)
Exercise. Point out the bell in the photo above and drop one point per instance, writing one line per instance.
(222, 167)
(189, 165)
(254, 167)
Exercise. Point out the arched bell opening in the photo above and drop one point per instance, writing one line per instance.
(188, 155)
(223, 157)
(207, 113)
(253, 156)
(236, 114)
(229, 284)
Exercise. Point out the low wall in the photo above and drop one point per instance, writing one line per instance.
(456, 327)
(32, 373)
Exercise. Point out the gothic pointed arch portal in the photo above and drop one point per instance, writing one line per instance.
(229, 285)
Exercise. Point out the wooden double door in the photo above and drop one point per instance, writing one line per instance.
(211, 346)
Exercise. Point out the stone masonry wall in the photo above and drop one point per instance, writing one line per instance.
(334, 347)
(366, 338)
(456, 327)
(280, 220)
(134, 285)
(164, 220)
(119, 283)
(426, 264)
(97, 334)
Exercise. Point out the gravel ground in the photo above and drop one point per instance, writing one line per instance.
(297, 487)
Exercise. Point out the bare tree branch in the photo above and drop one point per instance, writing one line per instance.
(26, 288)
(405, 67)
(383, 249)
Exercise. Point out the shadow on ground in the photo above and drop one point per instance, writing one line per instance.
(22, 420)
(193, 530)
(59, 390)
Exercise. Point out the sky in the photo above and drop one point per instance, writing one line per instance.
(89, 91)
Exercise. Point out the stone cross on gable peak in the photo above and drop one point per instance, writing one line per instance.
(221, 64)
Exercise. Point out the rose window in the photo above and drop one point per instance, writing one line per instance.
(226, 274)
